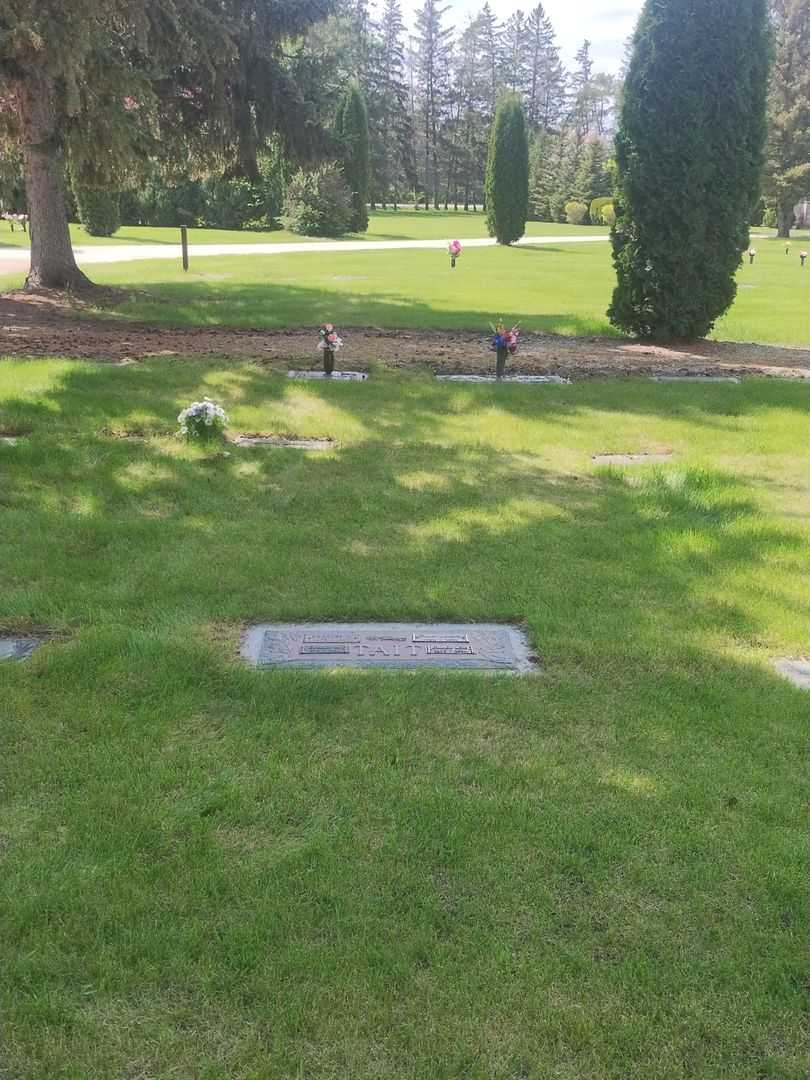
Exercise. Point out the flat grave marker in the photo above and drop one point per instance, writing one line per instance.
(796, 671)
(631, 459)
(18, 648)
(290, 441)
(697, 378)
(555, 380)
(391, 646)
(336, 376)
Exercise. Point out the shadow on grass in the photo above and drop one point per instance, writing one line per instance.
(623, 835)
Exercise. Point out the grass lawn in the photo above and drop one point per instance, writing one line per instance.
(213, 872)
(564, 289)
(383, 225)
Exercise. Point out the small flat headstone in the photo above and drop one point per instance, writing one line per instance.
(392, 646)
(556, 380)
(696, 378)
(18, 648)
(630, 459)
(336, 376)
(285, 441)
(797, 671)
(8, 440)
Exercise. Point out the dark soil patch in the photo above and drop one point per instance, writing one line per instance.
(45, 324)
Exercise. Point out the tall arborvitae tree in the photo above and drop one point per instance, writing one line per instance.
(690, 151)
(112, 86)
(507, 183)
(432, 63)
(787, 165)
(351, 135)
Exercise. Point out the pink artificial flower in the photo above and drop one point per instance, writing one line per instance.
(455, 247)
(331, 337)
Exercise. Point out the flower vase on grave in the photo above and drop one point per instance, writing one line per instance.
(500, 361)
(328, 361)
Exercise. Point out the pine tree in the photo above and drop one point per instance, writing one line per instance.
(515, 49)
(351, 134)
(111, 87)
(787, 165)
(489, 44)
(689, 151)
(393, 147)
(592, 179)
(432, 63)
(507, 183)
(545, 90)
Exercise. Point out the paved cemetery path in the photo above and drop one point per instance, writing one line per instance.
(40, 324)
(13, 259)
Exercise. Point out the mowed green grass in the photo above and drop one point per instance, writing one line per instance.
(383, 225)
(596, 872)
(564, 289)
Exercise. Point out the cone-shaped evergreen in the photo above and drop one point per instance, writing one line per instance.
(507, 179)
(689, 153)
(351, 132)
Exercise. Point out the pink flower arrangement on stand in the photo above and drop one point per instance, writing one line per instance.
(454, 249)
(330, 343)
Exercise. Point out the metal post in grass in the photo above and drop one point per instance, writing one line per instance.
(184, 245)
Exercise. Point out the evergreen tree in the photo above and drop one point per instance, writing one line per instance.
(515, 53)
(689, 153)
(507, 182)
(432, 64)
(351, 134)
(393, 160)
(489, 44)
(787, 165)
(111, 87)
(593, 179)
(545, 90)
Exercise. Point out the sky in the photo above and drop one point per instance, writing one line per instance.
(606, 23)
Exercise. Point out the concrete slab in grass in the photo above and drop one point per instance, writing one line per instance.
(390, 646)
(796, 671)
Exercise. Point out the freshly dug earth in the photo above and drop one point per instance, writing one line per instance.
(44, 325)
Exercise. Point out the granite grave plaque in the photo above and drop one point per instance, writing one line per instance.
(18, 648)
(336, 376)
(555, 380)
(696, 378)
(289, 441)
(631, 459)
(797, 671)
(394, 646)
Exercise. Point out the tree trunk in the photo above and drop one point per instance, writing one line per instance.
(784, 219)
(53, 265)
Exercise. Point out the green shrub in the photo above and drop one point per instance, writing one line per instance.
(576, 213)
(769, 217)
(99, 211)
(609, 214)
(319, 203)
(596, 208)
(232, 204)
